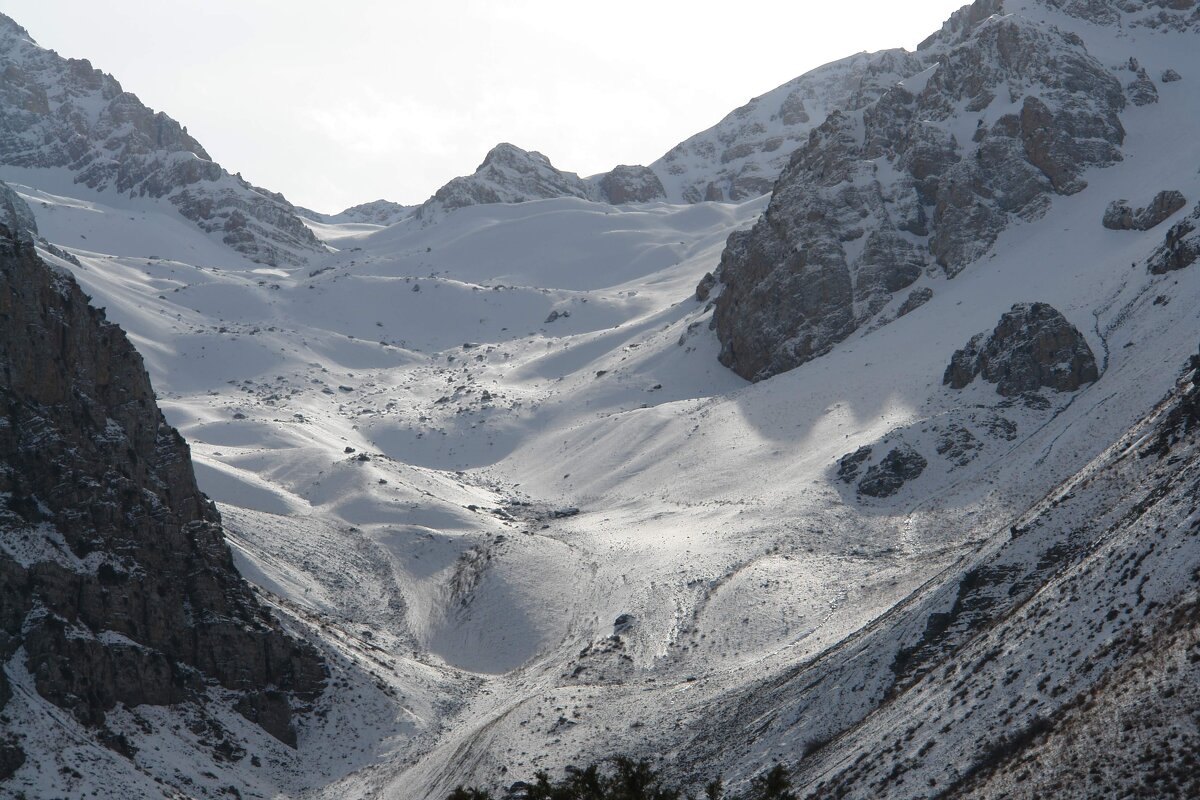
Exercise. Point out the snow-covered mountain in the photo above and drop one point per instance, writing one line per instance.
(742, 155)
(60, 113)
(486, 459)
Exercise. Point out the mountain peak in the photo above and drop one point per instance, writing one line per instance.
(9, 27)
(511, 155)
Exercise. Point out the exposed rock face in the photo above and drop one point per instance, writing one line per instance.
(850, 464)
(916, 298)
(1120, 217)
(1141, 89)
(57, 112)
(508, 174)
(879, 194)
(1032, 347)
(900, 465)
(626, 184)
(1170, 76)
(116, 583)
(1180, 247)
(741, 156)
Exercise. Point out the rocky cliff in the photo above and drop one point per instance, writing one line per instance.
(116, 584)
(1007, 113)
(62, 113)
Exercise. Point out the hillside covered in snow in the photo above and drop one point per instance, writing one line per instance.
(854, 434)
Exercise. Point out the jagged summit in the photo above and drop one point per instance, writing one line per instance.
(508, 174)
(63, 113)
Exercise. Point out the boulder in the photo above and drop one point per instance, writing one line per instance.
(1180, 247)
(1120, 217)
(1032, 347)
(900, 465)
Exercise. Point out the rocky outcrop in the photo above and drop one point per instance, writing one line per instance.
(1141, 90)
(508, 174)
(1180, 247)
(116, 584)
(901, 465)
(626, 184)
(62, 113)
(1032, 347)
(1120, 217)
(881, 193)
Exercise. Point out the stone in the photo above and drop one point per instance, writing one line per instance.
(1032, 347)
(916, 298)
(1120, 217)
(1170, 76)
(1141, 90)
(901, 465)
(850, 464)
(1180, 247)
(705, 286)
(958, 445)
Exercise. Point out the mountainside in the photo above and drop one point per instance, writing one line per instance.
(741, 156)
(1009, 113)
(118, 586)
(59, 113)
(929, 533)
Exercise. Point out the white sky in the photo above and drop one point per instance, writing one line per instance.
(336, 103)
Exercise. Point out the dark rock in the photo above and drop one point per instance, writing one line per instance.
(272, 711)
(958, 445)
(850, 464)
(900, 465)
(1180, 247)
(705, 286)
(625, 184)
(1033, 346)
(916, 298)
(556, 315)
(1170, 76)
(89, 469)
(1119, 216)
(1141, 90)
(12, 758)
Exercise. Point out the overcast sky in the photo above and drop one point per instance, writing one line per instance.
(337, 103)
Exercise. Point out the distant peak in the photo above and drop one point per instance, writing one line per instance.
(505, 153)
